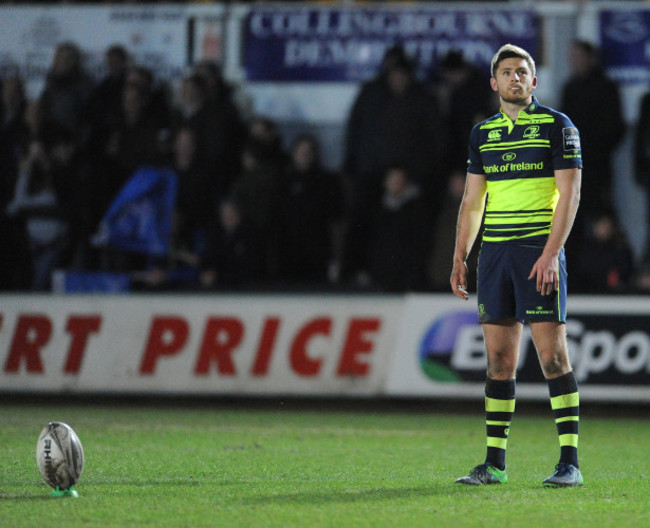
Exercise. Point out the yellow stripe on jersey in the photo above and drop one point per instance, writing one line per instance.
(519, 208)
(525, 194)
(525, 118)
(511, 145)
(497, 123)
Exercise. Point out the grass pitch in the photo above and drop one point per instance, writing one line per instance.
(282, 466)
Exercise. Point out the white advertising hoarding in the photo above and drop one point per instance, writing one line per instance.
(302, 345)
(251, 345)
(441, 351)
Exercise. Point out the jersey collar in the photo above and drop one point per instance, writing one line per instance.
(531, 108)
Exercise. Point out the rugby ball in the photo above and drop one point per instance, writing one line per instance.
(60, 455)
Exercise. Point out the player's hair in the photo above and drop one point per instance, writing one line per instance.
(510, 51)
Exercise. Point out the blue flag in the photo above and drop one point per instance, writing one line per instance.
(139, 219)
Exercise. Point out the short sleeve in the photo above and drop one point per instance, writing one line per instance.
(565, 145)
(474, 161)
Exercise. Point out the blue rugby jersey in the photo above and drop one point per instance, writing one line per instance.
(518, 161)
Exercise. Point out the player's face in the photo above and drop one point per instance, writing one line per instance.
(514, 81)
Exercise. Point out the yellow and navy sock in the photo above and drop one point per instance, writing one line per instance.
(565, 403)
(499, 408)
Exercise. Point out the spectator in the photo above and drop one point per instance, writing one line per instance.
(130, 141)
(394, 122)
(593, 102)
(642, 164)
(197, 196)
(134, 139)
(191, 107)
(642, 280)
(605, 264)
(15, 131)
(465, 97)
(444, 238)
(106, 97)
(217, 127)
(264, 131)
(40, 199)
(64, 99)
(259, 192)
(219, 91)
(198, 191)
(313, 210)
(370, 96)
(179, 269)
(234, 257)
(65, 168)
(399, 230)
(15, 135)
(157, 95)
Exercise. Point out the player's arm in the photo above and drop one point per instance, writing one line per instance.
(546, 269)
(469, 223)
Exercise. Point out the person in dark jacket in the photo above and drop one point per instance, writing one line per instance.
(313, 211)
(399, 229)
(642, 164)
(15, 137)
(259, 191)
(394, 122)
(606, 261)
(465, 98)
(234, 258)
(593, 101)
(64, 99)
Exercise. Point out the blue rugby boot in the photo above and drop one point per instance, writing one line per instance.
(565, 476)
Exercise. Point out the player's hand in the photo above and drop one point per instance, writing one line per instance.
(546, 274)
(458, 280)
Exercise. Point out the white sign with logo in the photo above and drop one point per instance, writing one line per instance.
(157, 37)
(441, 350)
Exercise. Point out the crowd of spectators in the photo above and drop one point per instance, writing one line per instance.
(255, 213)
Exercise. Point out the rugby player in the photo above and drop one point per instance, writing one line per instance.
(523, 177)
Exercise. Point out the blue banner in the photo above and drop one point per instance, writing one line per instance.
(625, 44)
(139, 219)
(329, 44)
(91, 282)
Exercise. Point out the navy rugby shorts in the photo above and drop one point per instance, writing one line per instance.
(505, 292)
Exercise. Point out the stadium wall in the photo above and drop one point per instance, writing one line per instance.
(415, 346)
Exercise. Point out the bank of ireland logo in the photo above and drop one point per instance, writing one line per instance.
(494, 135)
(437, 345)
(509, 156)
(532, 132)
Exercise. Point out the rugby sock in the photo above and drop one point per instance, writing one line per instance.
(499, 408)
(565, 403)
